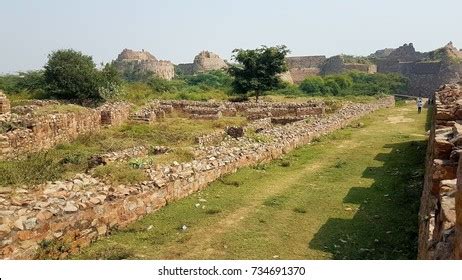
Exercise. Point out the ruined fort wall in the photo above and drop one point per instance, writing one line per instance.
(440, 233)
(305, 61)
(76, 212)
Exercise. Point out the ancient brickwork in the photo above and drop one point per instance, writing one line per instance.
(32, 132)
(4, 104)
(203, 62)
(78, 211)
(115, 113)
(439, 212)
(129, 61)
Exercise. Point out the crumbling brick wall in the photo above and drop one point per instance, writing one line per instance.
(439, 213)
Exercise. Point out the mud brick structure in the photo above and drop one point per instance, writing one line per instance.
(440, 216)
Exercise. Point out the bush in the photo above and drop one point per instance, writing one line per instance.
(72, 75)
(216, 79)
(312, 85)
(355, 83)
(331, 86)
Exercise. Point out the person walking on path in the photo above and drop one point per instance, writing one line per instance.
(419, 104)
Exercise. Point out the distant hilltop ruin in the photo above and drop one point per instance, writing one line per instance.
(134, 62)
(204, 61)
(425, 71)
(301, 67)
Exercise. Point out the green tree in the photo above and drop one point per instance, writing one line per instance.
(258, 70)
(70, 74)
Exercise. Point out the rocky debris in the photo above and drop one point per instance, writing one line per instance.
(235, 132)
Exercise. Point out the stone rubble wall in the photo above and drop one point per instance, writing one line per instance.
(143, 62)
(439, 212)
(33, 133)
(4, 104)
(78, 211)
(115, 114)
(203, 62)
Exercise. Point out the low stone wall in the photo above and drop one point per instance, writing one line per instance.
(252, 110)
(439, 237)
(115, 114)
(4, 104)
(33, 132)
(76, 212)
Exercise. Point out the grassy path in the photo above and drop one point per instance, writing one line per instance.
(352, 195)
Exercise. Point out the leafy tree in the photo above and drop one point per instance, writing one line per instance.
(70, 74)
(258, 69)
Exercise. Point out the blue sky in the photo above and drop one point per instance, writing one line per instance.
(178, 30)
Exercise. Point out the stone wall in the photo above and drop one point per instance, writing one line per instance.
(76, 212)
(4, 104)
(440, 217)
(203, 62)
(33, 132)
(129, 61)
(306, 66)
(426, 71)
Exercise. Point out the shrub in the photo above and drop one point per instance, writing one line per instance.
(312, 85)
(72, 75)
(216, 79)
(331, 86)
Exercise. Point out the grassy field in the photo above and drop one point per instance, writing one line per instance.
(65, 160)
(351, 195)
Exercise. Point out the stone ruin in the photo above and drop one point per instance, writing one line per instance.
(440, 216)
(301, 67)
(82, 209)
(4, 104)
(203, 62)
(426, 71)
(24, 130)
(129, 61)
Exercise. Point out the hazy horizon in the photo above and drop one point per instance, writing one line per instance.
(179, 30)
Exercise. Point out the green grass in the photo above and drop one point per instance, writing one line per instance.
(64, 160)
(351, 195)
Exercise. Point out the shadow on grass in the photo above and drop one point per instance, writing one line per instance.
(384, 225)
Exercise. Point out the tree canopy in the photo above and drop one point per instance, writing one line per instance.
(258, 70)
(69, 74)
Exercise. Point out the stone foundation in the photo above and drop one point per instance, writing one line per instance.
(78, 211)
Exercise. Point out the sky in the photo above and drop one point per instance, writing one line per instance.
(178, 30)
